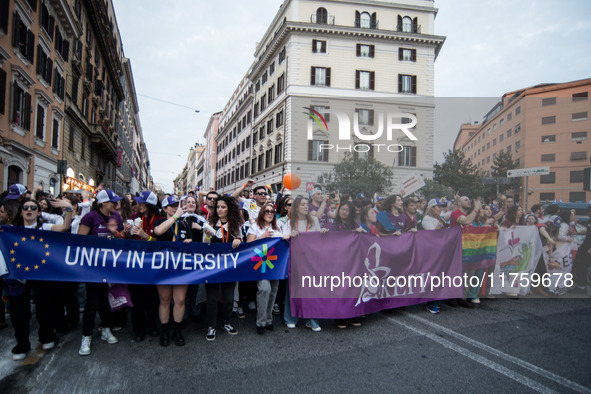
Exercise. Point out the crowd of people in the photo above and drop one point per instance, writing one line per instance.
(250, 213)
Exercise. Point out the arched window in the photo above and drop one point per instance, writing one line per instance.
(321, 15)
(407, 24)
(365, 20)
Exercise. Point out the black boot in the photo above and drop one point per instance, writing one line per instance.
(178, 335)
(164, 336)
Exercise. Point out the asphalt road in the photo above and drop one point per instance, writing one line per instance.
(504, 345)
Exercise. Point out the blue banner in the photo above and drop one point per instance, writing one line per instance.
(54, 256)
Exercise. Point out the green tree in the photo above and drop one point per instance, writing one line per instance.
(502, 163)
(433, 189)
(354, 175)
(460, 174)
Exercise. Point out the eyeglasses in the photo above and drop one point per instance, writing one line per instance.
(173, 205)
(261, 194)
(211, 198)
(269, 212)
(30, 208)
(288, 205)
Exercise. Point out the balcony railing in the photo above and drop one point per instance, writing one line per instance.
(409, 29)
(322, 20)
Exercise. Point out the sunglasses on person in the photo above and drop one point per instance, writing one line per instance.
(288, 205)
(269, 212)
(173, 205)
(261, 194)
(30, 208)
(211, 198)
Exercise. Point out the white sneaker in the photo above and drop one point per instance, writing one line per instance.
(48, 346)
(19, 356)
(85, 346)
(291, 325)
(107, 335)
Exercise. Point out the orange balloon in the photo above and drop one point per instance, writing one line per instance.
(292, 181)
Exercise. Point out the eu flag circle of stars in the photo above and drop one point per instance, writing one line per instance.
(34, 265)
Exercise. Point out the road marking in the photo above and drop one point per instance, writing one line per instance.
(524, 364)
(519, 378)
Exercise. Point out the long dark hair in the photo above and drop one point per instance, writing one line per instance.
(261, 218)
(389, 201)
(512, 215)
(234, 221)
(11, 210)
(281, 205)
(349, 224)
(20, 222)
(126, 212)
(294, 216)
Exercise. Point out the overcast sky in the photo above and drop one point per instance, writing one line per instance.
(194, 53)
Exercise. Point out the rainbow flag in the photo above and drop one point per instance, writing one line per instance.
(479, 247)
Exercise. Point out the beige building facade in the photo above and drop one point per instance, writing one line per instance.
(363, 59)
(541, 126)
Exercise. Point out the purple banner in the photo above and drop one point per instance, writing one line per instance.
(346, 274)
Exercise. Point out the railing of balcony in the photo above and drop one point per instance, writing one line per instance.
(409, 29)
(322, 19)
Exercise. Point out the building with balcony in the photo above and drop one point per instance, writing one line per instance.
(233, 142)
(35, 38)
(361, 61)
(546, 125)
(94, 92)
(210, 152)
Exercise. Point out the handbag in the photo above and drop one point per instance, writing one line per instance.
(119, 296)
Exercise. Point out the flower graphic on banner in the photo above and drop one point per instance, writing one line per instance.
(37, 245)
(264, 258)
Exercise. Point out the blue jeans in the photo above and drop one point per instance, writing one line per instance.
(287, 317)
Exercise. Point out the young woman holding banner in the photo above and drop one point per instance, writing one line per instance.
(224, 227)
(172, 229)
(301, 221)
(144, 297)
(44, 292)
(344, 221)
(265, 226)
(102, 221)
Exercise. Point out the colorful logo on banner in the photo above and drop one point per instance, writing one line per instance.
(264, 258)
(31, 243)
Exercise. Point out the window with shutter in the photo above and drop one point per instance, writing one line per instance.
(315, 151)
(574, 156)
(55, 134)
(407, 83)
(4, 14)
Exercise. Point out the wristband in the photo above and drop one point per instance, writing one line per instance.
(149, 239)
(69, 209)
(117, 234)
(174, 217)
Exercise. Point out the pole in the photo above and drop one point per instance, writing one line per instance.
(526, 192)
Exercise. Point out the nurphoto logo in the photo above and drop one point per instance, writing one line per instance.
(391, 122)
